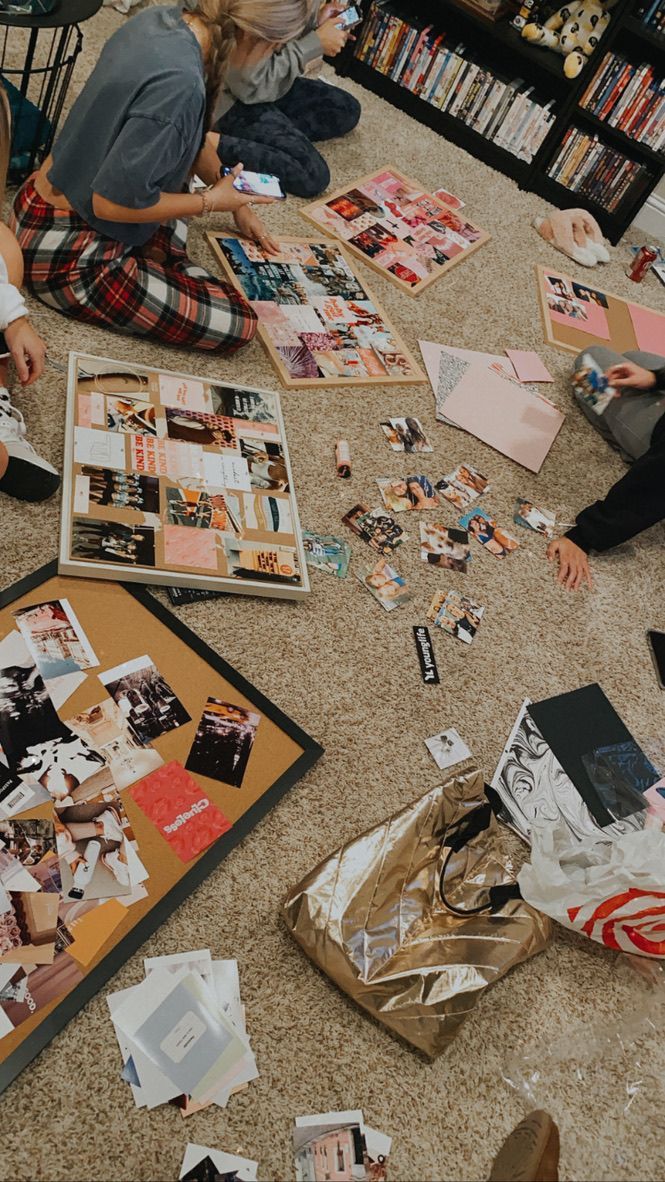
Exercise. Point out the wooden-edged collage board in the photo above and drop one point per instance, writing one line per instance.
(177, 480)
(578, 314)
(318, 321)
(243, 730)
(406, 234)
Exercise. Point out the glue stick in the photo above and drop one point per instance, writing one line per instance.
(343, 459)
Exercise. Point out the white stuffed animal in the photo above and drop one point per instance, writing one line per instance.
(573, 31)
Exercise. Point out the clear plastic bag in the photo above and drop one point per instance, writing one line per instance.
(604, 1083)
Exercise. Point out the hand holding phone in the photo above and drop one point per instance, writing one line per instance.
(257, 184)
(349, 18)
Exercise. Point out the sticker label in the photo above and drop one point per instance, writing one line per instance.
(428, 669)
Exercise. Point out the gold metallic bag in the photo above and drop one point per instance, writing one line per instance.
(417, 916)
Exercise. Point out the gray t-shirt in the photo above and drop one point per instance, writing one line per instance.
(137, 126)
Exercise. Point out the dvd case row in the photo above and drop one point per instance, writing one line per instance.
(585, 165)
(630, 98)
(414, 55)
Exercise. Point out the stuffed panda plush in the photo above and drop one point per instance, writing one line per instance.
(573, 31)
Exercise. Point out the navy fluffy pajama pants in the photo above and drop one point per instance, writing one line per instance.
(277, 137)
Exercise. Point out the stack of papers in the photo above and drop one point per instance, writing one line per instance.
(480, 393)
(339, 1145)
(182, 1032)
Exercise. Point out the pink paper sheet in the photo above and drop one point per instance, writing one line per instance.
(431, 354)
(514, 421)
(649, 328)
(528, 366)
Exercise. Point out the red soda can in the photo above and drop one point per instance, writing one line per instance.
(639, 266)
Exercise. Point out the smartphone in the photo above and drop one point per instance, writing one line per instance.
(657, 645)
(259, 184)
(349, 18)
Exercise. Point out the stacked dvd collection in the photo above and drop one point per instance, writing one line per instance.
(630, 98)
(589, 167)
(416, 57)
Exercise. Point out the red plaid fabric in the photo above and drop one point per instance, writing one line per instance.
(72, 268)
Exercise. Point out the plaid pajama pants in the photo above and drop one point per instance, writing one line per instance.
(75, 270)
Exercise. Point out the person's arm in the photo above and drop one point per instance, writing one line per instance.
(221, 198)
(630, 376)
(27, 349)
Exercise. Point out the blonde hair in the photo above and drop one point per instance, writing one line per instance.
(275, 21)
(5, 141)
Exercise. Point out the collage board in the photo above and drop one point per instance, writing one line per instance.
(132, 759)
(577, 315)
(177, 480)
(318, 321)
(409, 236)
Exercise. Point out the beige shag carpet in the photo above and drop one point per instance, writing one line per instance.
(348, 673)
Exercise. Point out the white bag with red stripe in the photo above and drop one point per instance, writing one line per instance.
(611, 889)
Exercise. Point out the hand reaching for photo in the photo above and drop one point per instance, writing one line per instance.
(27, 349)
(630, 376)
(249, 223)
(573, 564)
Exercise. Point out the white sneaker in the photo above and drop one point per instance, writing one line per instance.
(28, 476)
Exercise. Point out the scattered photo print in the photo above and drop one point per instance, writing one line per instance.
(445, 547)
(200, 510)
(486, 531)
(338, 1143)
(23, 846)
(144, 698)
(177, 805)
(121, 490)
(116, 381)
(412, 492)
(27, 715)
(458, 615)
(266, 465)
(28, 928)
(529, 516)
(327, 553)
(55, 638)
(447, 748)
(130, 416)
(260, 562)
(223, 742)
(592, 386)
(253, 405)
(28, 992)
(92, 839)
(406, 435)
(193, 426)
(18, 796)
(202, 1164)
(589, 295)
(109, 541)
(568, 309)
(557, 285)
(375, 527)
(462, 486)
(63, 765)
(109, 731)
(385, 584)
(449, 199)
(259, 512)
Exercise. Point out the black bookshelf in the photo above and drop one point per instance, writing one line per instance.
(498, 46)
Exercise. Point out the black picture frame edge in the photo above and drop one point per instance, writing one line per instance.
(74, 1002)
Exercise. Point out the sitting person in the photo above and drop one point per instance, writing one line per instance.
(101, 224)
(269, 116)
(633, 423)
(23, 474)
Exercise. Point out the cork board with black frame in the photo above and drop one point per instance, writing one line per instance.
(178, 480)
(123, 622)
(397, 228)
(319, 322)
(577, 314)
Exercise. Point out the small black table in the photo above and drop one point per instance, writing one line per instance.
(38, 87)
